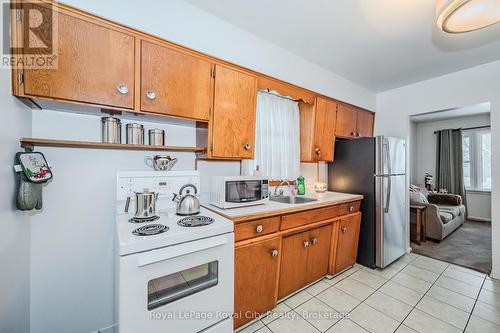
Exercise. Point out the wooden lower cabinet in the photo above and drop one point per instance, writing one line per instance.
(319, 251)
(256, 279)
(347, 242)
(305, 258)
(293, 263)
(270, 267)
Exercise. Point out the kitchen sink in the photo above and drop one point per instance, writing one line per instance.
(291, 199)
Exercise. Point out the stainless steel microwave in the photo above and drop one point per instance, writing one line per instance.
(238, 191)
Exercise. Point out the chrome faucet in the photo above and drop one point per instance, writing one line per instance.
(283, 182)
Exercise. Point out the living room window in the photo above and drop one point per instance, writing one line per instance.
(476, 145)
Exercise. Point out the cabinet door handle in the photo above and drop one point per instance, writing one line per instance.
(344, 230)
(247, 146)
(150, 94)
(122, 89)
(353, 133)
(314, 241)
(351, 209)
(318, 151)
(274, 253)
(306, 244)
(259, 229)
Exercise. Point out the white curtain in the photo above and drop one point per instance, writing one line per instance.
(277, 138)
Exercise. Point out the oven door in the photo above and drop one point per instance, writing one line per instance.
(242, 191)
(182, 288)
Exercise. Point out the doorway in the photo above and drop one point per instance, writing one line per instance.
(448, 223)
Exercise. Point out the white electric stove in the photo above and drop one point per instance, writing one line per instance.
(172, 277)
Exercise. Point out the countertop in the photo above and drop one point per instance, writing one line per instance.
(273, 208)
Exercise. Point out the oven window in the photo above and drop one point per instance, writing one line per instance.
(243, 191)
(169, 288)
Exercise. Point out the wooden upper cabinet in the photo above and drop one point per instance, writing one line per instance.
(93, 61)
(347, 242)
(347, 116)
(233, 134)
(175, 83)
(353, 122)
(324, 133)
(256, 279)
(317, 131)
(365, 122)
(319, 251)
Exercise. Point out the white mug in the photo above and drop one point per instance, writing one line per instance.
(320, 187)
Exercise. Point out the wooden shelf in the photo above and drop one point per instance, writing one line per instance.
(100, 145)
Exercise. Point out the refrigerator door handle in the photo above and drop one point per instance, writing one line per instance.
(388, 195)
(388, 156)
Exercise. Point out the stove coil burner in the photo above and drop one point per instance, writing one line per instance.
(195, 221)
(150, 230)
(143, 220)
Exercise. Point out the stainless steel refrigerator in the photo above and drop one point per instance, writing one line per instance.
(375, 168)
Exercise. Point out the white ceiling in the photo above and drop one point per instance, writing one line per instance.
(378, 44)
(465, 111)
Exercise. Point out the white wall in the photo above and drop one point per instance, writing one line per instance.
(471, 86)
(14, 225)
(478, 203)
(72, 237)
(412, 151)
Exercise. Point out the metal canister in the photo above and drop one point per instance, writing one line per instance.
(135, 134)
(111, 130)
(156, 137)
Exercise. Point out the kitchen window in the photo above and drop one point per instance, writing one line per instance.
(476, 146)
(277, 138)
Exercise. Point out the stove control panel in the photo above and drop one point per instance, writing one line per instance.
(165, 183)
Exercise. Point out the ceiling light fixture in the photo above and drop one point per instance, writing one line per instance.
(457, 16)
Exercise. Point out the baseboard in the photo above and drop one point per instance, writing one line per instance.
(495, 275)
(478, 219)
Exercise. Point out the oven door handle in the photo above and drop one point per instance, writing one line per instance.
(178, 251)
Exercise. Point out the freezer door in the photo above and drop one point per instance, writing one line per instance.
(390, 222)
(391, 156)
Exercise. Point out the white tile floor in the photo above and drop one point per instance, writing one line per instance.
(414, 294)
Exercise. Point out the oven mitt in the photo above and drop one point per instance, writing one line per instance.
(33, 171)
(29, 195)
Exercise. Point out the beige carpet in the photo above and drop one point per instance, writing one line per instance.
(469, 246)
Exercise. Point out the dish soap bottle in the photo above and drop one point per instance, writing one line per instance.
(301, 186)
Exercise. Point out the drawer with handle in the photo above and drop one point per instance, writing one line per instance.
(256, 228)
(309, 216)
(349, 208)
